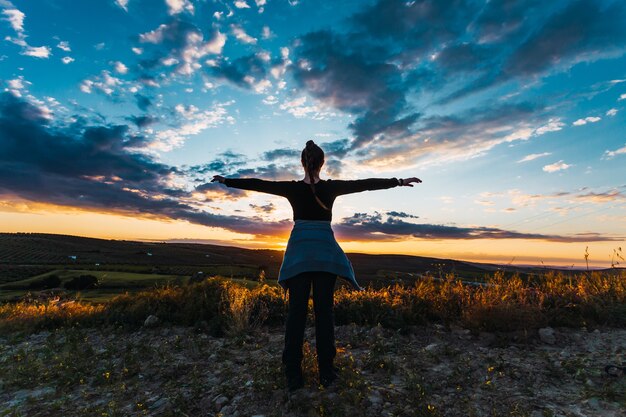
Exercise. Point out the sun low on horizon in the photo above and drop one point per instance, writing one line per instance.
(116, 114)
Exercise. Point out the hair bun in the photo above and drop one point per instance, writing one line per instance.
(310, 143)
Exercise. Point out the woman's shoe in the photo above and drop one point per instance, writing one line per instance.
(295, 380)
(328, 376)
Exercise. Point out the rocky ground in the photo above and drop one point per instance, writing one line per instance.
(429, 371)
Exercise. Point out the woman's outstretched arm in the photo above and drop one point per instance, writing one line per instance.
(255, 184)
(356, 186)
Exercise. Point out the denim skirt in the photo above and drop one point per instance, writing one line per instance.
(312, 247)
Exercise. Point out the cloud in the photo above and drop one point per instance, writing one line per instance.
(37, 51)
(182, 44)
(193, 121)
(123, 4)
(534, 156)
(340, 76)
(611, 112)
(582, 31)
(281, 153)
(616, 152)
(97, 167)
(622, 97)
(120, 68)
(142, 121)
(557, 166)
(64, 46)
(241, 4)
(591, 119)
(241, 35)
(372, 227)
(15, 19)
(178, 6)
(267, 208)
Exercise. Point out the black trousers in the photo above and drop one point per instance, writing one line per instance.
(299, 287)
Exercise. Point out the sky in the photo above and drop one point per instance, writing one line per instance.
(116, 114)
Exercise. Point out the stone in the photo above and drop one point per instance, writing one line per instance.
(546, 335)
(220, 401)
(151, 321)
(433, 347)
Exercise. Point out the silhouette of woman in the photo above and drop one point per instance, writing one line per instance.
(312, 257)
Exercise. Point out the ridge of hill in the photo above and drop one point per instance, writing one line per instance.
(32, 249)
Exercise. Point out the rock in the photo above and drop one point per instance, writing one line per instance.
(433, 347)
(375, 398)
(486, 339)
(546, 335)
(536, 413)
(220, 401)
(151, 321)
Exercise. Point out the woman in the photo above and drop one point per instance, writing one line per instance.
(312, 257)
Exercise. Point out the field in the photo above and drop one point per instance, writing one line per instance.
(444, 339)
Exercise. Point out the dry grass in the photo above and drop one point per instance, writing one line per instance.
(504, 304)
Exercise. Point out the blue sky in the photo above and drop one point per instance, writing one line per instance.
(512, 113)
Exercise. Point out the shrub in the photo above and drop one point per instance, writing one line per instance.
(45, 283)
(82, 282)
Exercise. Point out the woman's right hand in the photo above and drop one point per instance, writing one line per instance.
(218, 178)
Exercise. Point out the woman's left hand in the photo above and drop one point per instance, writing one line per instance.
(218, 178)
(407, 181)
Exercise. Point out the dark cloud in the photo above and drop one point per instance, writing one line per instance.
(267, 208)
(143, 102)
(224, 164)
(281, 153)
(368, 227)
(244, 72)
(438, 51)
(402, 214)
(94, 167)
(332, 70)
(583, 30)
(142, 121)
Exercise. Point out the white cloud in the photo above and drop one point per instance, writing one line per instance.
(611, 112)
(195, 49)
(264, 56)
(154, 36)
(298, 108)
(611, 154)
(120, 68)
(622, 97)
(270, 100)
(557, 166)
(266, 33)
(591, 119)
(260, 3)
(122, 3)
(241, 4)
(534, 156)
(553, 125)
(105, 83)
(218, 15)
(15, 19)
(37, 51)
(137, 51)
(17, 83)
(241, 35)
(67, 59)
(197, 121)
(65, 46)
(178, 6)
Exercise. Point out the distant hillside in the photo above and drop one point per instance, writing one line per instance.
(38, 249)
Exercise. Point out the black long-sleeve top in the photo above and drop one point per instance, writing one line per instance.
(301, 197)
